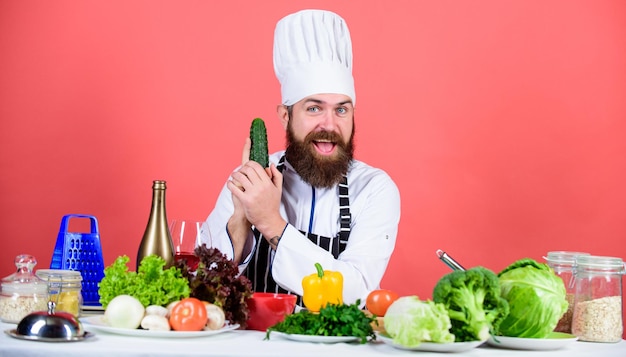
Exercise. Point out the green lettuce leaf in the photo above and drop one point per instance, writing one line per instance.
(152, 284)
(536, 297)
(410, 321)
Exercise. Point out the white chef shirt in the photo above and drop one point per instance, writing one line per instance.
(375, 209)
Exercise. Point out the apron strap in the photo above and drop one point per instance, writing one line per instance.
(345, 216)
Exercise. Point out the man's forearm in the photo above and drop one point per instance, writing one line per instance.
(239, 229)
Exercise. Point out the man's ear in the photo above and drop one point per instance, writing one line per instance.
(283, 115)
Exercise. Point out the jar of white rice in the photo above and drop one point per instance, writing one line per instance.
(22, 292)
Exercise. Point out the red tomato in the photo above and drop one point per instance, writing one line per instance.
(188, 315)
(378, 301)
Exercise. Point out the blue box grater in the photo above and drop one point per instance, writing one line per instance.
(81, 252)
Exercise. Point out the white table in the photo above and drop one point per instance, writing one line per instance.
(252, 343)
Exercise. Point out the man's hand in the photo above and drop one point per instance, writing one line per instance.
(245, 156)
(256, 193)
(238, 224)
(259, 192)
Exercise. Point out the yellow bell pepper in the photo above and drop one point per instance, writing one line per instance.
(321, 288)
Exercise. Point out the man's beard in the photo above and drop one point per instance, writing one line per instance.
(318, 170)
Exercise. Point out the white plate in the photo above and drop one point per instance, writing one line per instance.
(433, 346)
(97, 323)
(554, 341)
(315, 338)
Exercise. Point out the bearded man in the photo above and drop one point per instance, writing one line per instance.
(315, 203)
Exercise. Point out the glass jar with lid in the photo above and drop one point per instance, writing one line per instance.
(22, 292)
(562, 263)
(598, 299)
(64, 289)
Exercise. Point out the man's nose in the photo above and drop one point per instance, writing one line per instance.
(328, 121)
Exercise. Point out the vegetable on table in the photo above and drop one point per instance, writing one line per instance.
(217, 280)
(258, 140)
(124, 311)
(151, 284)
(157, 310)
(215, 316)
(155, 323)
(472, 298)
(322, 288)
(189, 314)
(378, 301)
(332, 320)
(410, 321)
(536, 296)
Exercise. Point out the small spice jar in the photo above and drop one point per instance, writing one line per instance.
(562, 263)
(598, 299)
(22, 292)
(64, 289)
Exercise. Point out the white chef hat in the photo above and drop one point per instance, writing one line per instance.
(313, 54)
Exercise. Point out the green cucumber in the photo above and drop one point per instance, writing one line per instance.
(258, 138)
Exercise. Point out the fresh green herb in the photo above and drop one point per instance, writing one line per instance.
(151, 284)
(332, 320)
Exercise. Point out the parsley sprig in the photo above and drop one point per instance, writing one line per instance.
(332, 320)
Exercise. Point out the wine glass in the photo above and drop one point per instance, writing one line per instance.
(185, 238)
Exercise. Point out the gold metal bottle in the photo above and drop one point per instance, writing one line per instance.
(157, 238)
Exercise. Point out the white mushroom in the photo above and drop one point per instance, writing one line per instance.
(216, 317)
(155, 323)
(157, 310)
(170, 306)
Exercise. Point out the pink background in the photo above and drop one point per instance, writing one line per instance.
(502, 122)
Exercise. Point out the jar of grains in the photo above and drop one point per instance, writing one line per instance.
(64, 289)
(598, 299)
(562, 262)
(22, 292)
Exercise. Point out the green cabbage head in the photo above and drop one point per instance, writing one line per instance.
(536, 299)
(410, 321)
